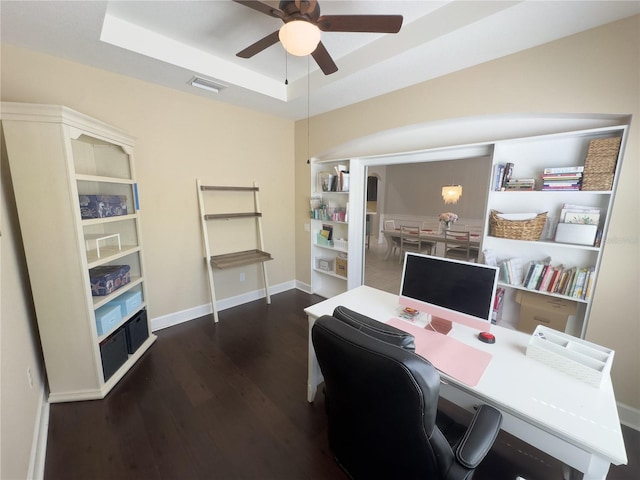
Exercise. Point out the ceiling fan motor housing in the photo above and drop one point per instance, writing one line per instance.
(300, 10)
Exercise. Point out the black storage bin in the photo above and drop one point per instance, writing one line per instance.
(113, 351)
(137, 331)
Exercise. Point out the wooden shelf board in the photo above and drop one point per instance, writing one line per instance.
(117, 218)
(237, 259)
(108, 254)
(102, 179)
(219, 216)
(100, 300)
(229, 189)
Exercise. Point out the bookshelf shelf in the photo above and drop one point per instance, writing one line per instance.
(328, 247)
(548, 244)
(524, 289)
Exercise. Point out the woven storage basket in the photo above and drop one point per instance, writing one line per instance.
(602, 164)
(517, 229)
(604, 147)
(597, 181)
(602, 155)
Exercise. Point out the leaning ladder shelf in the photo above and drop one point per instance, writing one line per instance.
(234, 259)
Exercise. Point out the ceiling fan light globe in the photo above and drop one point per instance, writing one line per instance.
(299, 37)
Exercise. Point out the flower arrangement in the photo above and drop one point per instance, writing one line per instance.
(448, 218)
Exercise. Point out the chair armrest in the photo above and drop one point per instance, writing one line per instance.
(479, 437)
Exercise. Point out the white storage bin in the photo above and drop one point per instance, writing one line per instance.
(584, 360)
(341, 244)
(324, 264)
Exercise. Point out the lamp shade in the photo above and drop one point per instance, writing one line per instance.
(451, 193)
(299, 37)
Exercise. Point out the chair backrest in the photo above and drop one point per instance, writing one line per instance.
(460, 241)
(427, 225)
(389, 224)
(410, 234)
(381, 402)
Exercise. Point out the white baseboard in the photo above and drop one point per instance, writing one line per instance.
(303, 287)
(629, 416)
(176, 318)
(39, 442)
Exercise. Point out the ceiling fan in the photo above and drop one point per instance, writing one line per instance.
(308, 11)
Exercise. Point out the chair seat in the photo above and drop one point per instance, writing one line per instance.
(460, 253)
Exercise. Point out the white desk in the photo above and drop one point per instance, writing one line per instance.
(568, 419)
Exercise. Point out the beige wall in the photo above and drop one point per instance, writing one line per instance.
(415, 189)
(20, 350)
(180, 137)
(597, 71)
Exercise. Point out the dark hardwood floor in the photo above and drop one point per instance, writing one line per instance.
(228, 401)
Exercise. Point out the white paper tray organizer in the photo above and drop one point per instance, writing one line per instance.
(584, 360)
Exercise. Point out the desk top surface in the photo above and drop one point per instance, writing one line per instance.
(554, 401)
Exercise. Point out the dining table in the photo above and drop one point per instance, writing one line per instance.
(435, 236)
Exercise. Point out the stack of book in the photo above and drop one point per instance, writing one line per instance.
(511, 271)
(503, 179)
(502, 175)
(562, 178)
(571, 282)
(520, 185)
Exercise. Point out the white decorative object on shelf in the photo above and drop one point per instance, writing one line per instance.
(584, 360)
(100, 237)
(341, 244)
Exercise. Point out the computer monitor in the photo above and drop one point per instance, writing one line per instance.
(451, 290)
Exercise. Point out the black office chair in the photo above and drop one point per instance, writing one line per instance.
(381, 401)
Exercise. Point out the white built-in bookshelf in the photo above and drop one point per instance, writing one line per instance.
(328, 211)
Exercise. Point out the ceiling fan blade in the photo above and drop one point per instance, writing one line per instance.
(360, 23)
(262, 7)
(259, 46)
(324, 60)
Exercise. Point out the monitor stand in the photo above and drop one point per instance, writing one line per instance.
(440, 325)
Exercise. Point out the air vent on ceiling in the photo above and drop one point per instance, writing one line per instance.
(206, 84)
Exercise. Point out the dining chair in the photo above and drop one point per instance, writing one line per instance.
(395, 242)
(457, 245)
(427, 225)
(410, 241)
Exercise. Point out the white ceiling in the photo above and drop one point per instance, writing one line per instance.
(168, 42)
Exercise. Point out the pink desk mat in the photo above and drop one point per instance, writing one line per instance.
(452, 357)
